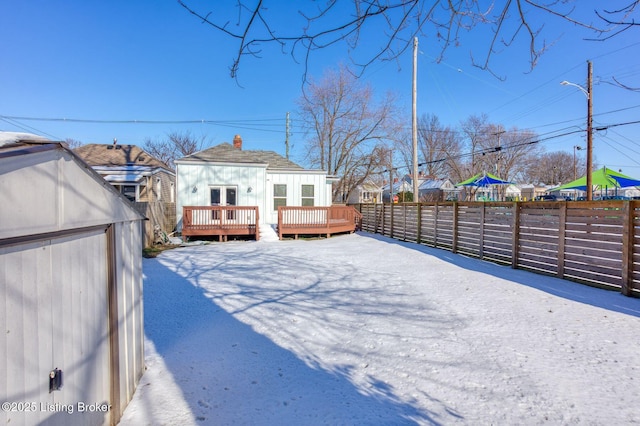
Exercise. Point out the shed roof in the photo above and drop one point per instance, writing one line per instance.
(226, 153)
(7, 138)
(50, 189)
(117, 155)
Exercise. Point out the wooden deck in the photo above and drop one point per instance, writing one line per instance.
(220, 221)
(317, 220)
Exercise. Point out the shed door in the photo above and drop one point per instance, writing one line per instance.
(56, 317)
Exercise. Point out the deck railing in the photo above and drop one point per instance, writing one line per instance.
(220, 220)
(293, 220)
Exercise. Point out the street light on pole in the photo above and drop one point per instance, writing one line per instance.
(588, 92)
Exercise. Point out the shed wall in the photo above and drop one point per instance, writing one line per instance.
(128, 269)
(66, 236)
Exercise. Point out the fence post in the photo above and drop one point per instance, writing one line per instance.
(454, 230)
(628, 213)
(435, 225)
(481, 236)
(515, 235)
(562, 227)
(391, 220)
(419, 224)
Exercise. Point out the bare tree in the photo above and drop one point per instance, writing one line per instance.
(512, 150)
(553, 168)
(346, 127)
(437, 146)
(324, 24)
(474, 132)
(73, 143)
(174, 146)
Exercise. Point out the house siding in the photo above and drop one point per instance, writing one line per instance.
(257, 177)
(294, 182)
(204, 176)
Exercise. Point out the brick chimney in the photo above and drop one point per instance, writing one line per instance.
(237, 142)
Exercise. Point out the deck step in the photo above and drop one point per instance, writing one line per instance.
(268, 233)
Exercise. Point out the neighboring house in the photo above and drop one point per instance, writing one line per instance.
(365, 193)
(71, 288)
(227, 175)
(529, 192)
(512, 193)
(434, 190)
(399, 185)
(135, 173)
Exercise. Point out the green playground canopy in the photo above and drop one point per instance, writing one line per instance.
(483, 179)
(604, 178)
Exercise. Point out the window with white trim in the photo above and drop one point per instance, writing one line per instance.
(279, 195)
(308, 196)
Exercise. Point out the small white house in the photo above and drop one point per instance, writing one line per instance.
(71, 288)
(366, 193)
(227, 175)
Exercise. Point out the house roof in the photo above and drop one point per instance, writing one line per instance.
(226, 153)
(117, 155)
(434, 184)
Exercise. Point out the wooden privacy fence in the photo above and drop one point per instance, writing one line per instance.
(159, 214)
(221, 221)
(317, 220)
(597, 242)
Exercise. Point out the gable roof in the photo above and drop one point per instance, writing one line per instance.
(117, 155)
(226, 153)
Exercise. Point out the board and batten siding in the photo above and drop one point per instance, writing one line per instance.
(195, 180)
(294, 182)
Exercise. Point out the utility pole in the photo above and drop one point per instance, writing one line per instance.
(499, 150)
(589, 130)
(390, 177)
(414, 116)
(286, 141)
(588, 92)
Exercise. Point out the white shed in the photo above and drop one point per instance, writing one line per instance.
(227, 175)
(71, 288)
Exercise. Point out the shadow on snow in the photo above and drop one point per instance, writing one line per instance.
(230, 373)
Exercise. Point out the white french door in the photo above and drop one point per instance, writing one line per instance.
(224, 196)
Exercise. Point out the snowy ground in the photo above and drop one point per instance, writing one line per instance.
(364, 330)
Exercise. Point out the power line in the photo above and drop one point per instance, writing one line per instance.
(96, 121)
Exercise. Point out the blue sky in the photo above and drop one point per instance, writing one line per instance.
(69, 61)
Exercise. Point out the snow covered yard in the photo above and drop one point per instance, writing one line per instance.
(361, 329)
